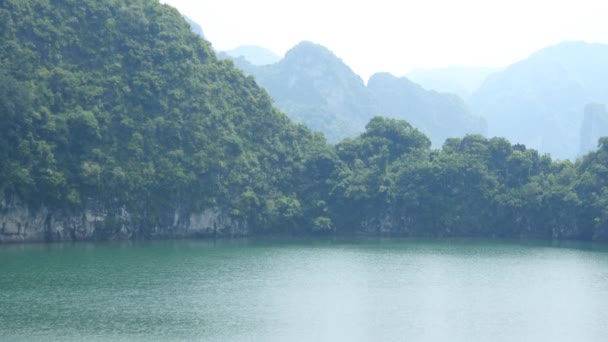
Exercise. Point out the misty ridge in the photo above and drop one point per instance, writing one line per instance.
(553, 101)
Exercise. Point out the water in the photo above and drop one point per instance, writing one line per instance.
(269, 290)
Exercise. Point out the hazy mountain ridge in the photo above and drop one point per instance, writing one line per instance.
(460, 80)
(315, 87)
(438, 115)
(539, 101)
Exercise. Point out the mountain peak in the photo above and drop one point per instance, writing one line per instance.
(311, 58)
(312, 51)
(309, 45)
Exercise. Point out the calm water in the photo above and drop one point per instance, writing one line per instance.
(360, 290)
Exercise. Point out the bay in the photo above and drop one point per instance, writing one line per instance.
(304, 290)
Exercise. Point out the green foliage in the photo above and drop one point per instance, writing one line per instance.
(473, 186)
(116, 104)
(592, 189)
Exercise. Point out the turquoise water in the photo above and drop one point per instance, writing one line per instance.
(302, 290)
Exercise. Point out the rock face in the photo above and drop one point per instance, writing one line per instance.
(594, 126)
(525, 226)
(18, 223)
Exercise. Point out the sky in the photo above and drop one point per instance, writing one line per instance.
(398, 36)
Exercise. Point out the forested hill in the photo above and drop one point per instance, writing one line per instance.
(115, 104)
(116, 121)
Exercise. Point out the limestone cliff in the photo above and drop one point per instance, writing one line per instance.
(20, 223)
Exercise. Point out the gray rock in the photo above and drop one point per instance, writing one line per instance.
(20, 223)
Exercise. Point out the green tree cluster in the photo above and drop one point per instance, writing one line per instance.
(472, 186)
(117, 105)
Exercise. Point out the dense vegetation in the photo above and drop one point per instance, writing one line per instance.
(473, 186)
(116, 104)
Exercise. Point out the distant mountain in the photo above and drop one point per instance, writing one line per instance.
(438, 115)
(594, 126)
(586, 63)
(254, 54)
(538, 101)
(315, 87)
(196, 28)
(460, 80)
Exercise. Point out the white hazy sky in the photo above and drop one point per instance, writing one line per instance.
(397, 36)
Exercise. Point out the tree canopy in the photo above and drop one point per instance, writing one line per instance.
(117, 104)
